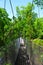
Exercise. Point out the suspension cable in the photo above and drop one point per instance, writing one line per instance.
(4, 4)
(11, 7)
(38, 9)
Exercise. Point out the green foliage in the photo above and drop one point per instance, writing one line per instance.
(4, 26)
(38, 25)
(25, 25)
(38, 42)
(39, 3)
(26, 18)
(7, 64)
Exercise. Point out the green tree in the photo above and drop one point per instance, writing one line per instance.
(26, 18)
(39, 3)
(38, 25)
(4, 25)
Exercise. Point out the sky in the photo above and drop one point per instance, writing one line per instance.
(17, 3)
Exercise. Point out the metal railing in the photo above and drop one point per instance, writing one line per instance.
(36, 53)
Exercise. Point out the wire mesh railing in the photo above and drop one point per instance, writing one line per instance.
(36, 53)
(2, 56)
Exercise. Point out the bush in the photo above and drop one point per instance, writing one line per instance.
(38, 41)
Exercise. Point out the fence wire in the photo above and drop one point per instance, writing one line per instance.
(34, 51)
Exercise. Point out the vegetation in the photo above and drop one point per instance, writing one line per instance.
(39, 3)
(26, 25)
(38, 42)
